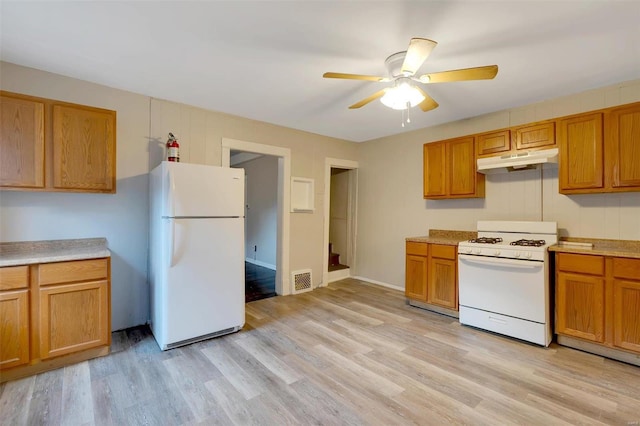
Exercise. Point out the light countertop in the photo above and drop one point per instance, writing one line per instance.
(615, 248)
(29, 252)
(444, 237)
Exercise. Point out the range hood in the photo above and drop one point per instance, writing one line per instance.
(520, 161)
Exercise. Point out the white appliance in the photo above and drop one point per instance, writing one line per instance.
(196, 252)
(520, 161)
(503, 279)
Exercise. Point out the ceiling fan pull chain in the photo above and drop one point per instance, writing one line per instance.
(402, 118)
(408, 112)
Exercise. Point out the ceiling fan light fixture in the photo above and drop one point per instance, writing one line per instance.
(402, 96)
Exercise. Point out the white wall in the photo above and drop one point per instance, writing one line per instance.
(262, 213)
(391, 207)
(120, 217)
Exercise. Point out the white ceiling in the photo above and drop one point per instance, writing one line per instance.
(265, 59)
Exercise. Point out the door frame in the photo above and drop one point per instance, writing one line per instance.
(283, 284)
(353, 197)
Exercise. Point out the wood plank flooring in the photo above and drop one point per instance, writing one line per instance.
(259, 282)
(351, 353)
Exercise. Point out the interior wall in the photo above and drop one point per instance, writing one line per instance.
(262, 211)
(338, 213)
(122, 218)
(391, 170)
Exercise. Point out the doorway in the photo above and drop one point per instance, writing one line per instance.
(261, 192)
(281, 156)
(340, 219)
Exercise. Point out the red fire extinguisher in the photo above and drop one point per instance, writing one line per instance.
(173, 149)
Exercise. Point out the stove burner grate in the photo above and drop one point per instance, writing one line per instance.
(486, 240)
(529, 243)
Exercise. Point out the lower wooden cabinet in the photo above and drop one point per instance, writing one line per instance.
(52, 315)
(60, 307)
(580, 306)
(14, 316)
(431, 274)
(598, 299)
(14, 328)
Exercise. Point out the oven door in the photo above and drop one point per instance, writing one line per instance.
(512, 287)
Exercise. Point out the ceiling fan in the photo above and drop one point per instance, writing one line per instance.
(402, 67)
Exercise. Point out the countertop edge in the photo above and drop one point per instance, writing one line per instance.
(32, 252)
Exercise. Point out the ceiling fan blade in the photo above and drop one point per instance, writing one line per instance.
(353, 76)
(418, 51)
(429, 103)
(476, 73)
(371, 98)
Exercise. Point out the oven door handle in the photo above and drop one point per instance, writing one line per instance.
(524, 264)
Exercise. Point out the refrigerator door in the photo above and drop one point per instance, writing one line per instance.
(204, 286)
(196, 190)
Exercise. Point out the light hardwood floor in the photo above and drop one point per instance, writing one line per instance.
(350, 353)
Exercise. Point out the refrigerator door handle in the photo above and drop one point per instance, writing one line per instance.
(172, 189)
(172, 242)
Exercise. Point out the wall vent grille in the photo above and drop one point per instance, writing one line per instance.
(301, 281)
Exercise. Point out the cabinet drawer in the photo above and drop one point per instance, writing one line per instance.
(583, 264)
(77, 270)
(443, 251)
(14, 277)
(626, 268)
(418, 249)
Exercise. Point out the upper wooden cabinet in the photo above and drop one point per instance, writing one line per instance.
(494, 143)
(531, 137)
(84, 142)
(528, 137)
(22, 142)
(581, 167)
(450, 170)
(47, 145)
(622, 148)
(600, 151)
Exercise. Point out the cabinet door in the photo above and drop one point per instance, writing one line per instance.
(84, 143)
(435, 170)
(535, 136)
(14, 328)
(442, 283)
(21, 142)
(626, 308)
(416, 277)
(462, 167)
(489, 144)
(73, 317)
(623, 147)
(580, 306)
(581, 163)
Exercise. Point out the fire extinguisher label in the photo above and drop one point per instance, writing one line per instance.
(173, 154)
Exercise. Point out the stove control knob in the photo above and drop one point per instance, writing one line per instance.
(528, 255)
(467, 250)
(517, 255)
(496, 253)
(477, 251)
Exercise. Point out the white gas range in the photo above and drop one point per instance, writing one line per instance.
(503, 279)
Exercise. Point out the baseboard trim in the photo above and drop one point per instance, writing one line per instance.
(596, 349)
(259, 263)
(380, 283)
(432, 308)
(338, 275)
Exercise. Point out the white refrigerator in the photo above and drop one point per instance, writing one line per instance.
(196, 248)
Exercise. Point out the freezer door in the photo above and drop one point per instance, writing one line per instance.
(205, 277)
(196, 190)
